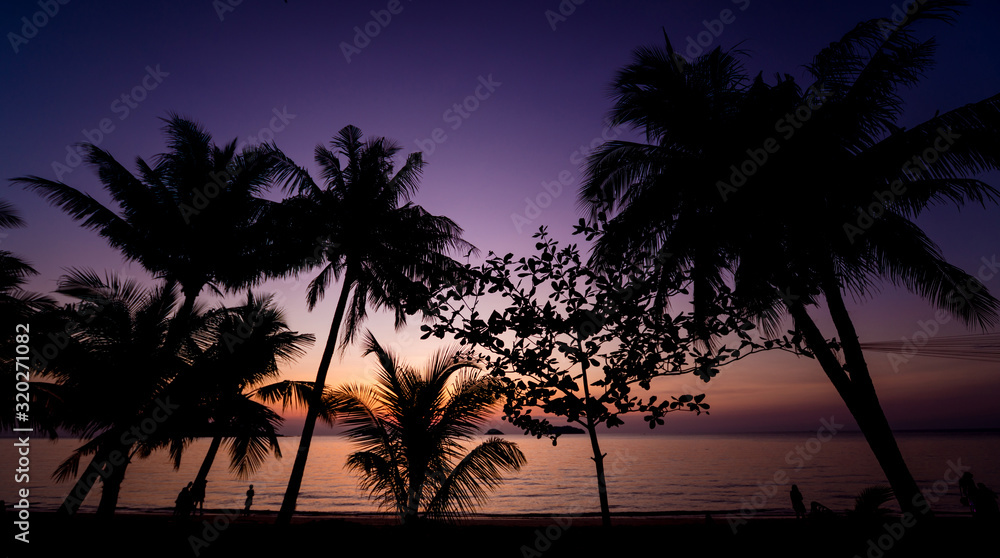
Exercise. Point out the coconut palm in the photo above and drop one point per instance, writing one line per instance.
(193, 216)
(386, 251)
(16, 303)
(16, 307)
(249, 342)
(13, 270)
(824, 211)
(412, 426)
(116, 373)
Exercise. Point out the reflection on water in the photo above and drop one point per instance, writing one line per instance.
(645, 474)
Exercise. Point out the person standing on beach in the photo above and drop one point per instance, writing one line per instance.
(183, 503)
(967, 491)
(198, 496)
(986, 501)
(797, 503)
(249, 502)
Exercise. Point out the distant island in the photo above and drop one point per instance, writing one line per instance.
(560, 430)
(556, 430)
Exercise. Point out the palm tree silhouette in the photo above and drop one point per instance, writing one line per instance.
(729, 188)
(16, 307)
(387, 252)
(192, 217)
(115, 373)
(16, 303)
(13, 270)
(248, 343)
(411, 427)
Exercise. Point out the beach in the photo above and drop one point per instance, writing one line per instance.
(665, 502)
(646, 475)
(220, 534)
(514, 279)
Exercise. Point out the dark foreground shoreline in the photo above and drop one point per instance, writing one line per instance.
(219, 534)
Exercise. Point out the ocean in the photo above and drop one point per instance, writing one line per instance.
(646, 474)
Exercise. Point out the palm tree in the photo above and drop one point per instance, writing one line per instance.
(709, 193)
(15, 303)
(192, 217)
(411, 427)
(13, 270)
(386, 251)
(248, 344)
(116, 373)
(16, 307)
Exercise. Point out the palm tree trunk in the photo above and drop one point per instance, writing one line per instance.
(111, 489)
(116, 463)
(106, 459)
(414, 492)
(880, 438)
(206, 464)
(180, 321)
(299, 467)
(871, 419)
(858, 393)
(83, 485)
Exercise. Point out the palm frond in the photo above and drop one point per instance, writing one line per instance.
(469, 483)
(871, 499)
(380, 478)
(253, 438)
(409, 426)
(9, 217)
(295, 395)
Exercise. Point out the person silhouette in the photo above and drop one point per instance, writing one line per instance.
(986, 501)
(198, 496)
(249, 502)
(183, 503)
(797, 502)
(967, 491)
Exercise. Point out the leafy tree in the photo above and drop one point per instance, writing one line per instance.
(385, 250)
(795, 198)
(576, 343)
(411, 427)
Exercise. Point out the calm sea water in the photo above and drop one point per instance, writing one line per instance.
(653, 473)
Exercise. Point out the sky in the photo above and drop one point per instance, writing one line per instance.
(502, 99)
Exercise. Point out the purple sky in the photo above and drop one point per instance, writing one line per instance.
(268, 69)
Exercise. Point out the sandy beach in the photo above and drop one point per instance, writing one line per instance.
(220, 534)
(565, 278)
